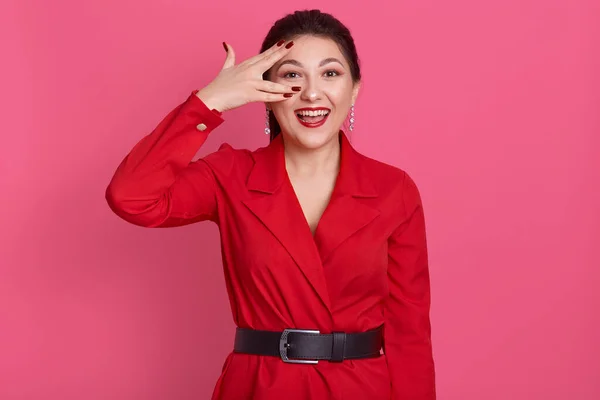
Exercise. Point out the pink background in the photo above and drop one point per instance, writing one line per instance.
(492, 107)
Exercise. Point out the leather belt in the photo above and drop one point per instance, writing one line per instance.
(304, 346)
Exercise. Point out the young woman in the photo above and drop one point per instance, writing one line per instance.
(324, 249)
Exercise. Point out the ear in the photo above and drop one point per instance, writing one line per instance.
(355, 91)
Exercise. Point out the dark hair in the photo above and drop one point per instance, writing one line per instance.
(314, 23)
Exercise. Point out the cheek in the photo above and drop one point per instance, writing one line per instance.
(340, 95)
(283, 112)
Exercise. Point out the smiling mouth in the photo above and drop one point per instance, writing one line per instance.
(312, 118)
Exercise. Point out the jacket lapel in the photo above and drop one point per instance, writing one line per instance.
(348, 210)
(273, 201)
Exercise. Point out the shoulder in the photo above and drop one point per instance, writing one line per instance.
(383, 172)
(393, 183)
(226, 157)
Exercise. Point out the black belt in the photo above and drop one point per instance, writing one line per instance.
(309, 346)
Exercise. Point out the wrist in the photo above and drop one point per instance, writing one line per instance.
(209, 100)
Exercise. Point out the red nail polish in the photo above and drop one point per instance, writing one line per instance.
(288, 94)
(290, 44)
(296, 88)
(280, 43)
(225, 47)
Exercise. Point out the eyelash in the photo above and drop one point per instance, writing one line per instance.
(328, 71)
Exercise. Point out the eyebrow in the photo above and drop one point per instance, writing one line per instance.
(299, 64)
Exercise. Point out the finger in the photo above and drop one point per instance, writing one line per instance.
(270, 59)
(272, 87)
(272, 97)
(230, 59)
(273, 49)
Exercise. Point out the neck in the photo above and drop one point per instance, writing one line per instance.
(305, 162)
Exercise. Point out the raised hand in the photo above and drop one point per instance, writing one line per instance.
(241, 84)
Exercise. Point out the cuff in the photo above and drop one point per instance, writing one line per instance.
(205, 118)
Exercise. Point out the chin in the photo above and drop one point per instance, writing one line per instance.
(313, 139)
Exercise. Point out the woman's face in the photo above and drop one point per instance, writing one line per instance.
(313, 116)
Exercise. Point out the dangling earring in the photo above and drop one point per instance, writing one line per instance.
(352, 118)
(267, 125)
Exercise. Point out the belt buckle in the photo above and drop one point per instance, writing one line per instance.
(283, 346)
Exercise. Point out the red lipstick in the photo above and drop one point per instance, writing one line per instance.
(312, 124)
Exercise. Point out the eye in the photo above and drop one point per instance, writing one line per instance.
(331, 73)
(290, 75)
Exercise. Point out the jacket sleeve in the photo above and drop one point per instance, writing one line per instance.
(407, 329)
(157, 184)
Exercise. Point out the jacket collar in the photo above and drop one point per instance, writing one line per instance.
(273, 201)
(269, 171)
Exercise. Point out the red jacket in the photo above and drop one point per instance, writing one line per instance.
(365, 266)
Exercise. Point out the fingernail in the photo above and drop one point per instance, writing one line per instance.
(288, 94)
(290, 44)
(296, 88)
(280, 43)
(225, 47)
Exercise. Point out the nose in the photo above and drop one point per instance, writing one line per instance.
(311, 91)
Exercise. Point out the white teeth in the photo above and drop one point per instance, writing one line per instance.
(313, 113)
